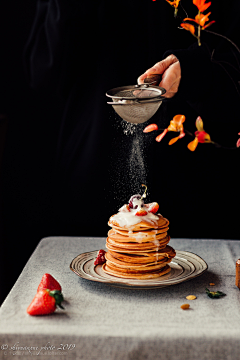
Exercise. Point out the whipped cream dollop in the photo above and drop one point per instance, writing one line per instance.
(130, 218)
(137, 203)
(130, 214)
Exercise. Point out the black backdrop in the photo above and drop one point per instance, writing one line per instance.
(210, 176)
(25, 146)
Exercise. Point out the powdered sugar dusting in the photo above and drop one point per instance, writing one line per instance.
(129, 166)
(128, 128)
(137, 168)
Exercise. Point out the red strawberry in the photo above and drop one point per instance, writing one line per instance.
(48, 282)
(141, 212)
(153, 207)
(100, 259)
(45, 302)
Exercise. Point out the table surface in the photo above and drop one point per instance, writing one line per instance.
(104, 322)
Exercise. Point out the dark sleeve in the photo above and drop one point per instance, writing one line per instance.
(195, 70)
(203, 66)
(210, 73)
(56, 51)
(210, 86)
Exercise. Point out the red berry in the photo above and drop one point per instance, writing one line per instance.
(45, 302)
(141, 212)
(48, 282)
(153, 207)
(100, 259)
(101, 252)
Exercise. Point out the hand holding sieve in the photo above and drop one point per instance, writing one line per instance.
(137, 103)
(153, 79)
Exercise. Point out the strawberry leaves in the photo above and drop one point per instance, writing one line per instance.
(214, 294)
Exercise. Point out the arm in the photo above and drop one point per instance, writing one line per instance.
(206, 78)
(203, 83)
(181, 71)
(171, 74)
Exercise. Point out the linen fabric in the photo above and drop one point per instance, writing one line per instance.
(111, 323)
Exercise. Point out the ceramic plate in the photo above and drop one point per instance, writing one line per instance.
(184, 266)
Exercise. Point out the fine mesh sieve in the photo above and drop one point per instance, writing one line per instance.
(136, 103)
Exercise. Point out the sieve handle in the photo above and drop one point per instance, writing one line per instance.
(154, 79)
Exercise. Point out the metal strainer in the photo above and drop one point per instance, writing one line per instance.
(136, 103)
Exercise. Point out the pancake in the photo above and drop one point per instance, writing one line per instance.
(166, 269)
(152, 245)
(143, 257)
(137, 244)
(146, 231)
(154, 265)
(142, 225)
(135, 248)
(136, 236)
(133, 271)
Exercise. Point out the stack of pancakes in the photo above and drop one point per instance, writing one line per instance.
(139, 251)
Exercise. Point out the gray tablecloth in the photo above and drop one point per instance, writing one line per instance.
(106, 323)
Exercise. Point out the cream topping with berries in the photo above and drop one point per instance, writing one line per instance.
(130, 218)
(136, 211)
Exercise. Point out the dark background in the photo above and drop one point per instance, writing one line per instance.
(28, 139)
(24, 124)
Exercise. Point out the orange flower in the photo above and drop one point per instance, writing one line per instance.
(176, 124)
(193, 144)
(200, 19)
(238, 142)
(173, 140)
(160, 136)
(200, 135)
(188, 27)
(201, 5)
(174, 3)
(150, 128)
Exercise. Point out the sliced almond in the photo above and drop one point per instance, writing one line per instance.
(185, 306)
(191, 297)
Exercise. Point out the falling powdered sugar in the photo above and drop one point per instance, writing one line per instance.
(128, 128)
(129, 166)
(136, 164)
(137, 167)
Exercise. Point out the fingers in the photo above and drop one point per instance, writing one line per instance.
(141, 78)
(171, 74)
(159, 68)
(171, 79)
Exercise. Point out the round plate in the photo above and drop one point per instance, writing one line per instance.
(184, 266)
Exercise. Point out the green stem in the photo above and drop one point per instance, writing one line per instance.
(199, 30)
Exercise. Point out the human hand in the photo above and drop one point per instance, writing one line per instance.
(171, 74)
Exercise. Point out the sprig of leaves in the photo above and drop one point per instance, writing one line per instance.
(214, 294)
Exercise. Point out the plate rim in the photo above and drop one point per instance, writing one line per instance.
(139, 286)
